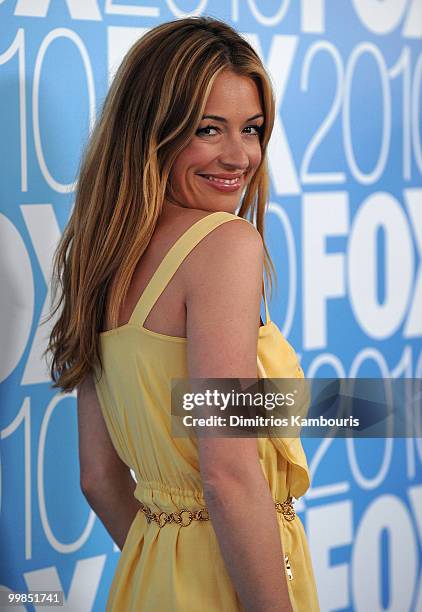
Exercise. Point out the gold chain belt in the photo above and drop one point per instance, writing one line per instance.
(184, 517)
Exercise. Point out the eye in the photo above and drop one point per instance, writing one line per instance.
(206, 131)
(203, 131)
(258, 129)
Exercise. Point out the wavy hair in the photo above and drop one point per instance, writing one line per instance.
(152, 110)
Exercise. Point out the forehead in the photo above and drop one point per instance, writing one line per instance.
(233, 94)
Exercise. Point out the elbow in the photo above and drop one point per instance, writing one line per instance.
(221, 487)
(90, 482)
(102, 481)
(230, 468)
(86, 485)
(223, 493)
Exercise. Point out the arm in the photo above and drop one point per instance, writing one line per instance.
(105, 480)
(223, 299)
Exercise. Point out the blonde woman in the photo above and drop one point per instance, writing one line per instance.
(160, 279)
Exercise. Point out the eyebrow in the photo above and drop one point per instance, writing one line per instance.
(223, 120)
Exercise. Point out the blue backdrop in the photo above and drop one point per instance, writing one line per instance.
(344, 230)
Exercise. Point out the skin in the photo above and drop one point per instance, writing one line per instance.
(231, 146)
(222, 332)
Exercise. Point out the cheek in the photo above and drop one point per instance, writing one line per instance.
(187, 158)
(179, 167)
(256, 156)
(199, 153)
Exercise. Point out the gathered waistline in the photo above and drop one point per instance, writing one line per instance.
(184, 517)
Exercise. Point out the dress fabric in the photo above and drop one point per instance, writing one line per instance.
(176, 568)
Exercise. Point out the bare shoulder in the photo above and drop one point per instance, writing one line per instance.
(233, 244)
(234, 232)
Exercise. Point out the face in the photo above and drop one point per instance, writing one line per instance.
(217, 164)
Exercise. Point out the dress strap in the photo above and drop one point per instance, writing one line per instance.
(173, 259)
(267, 312)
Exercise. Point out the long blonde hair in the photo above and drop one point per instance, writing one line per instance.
(151, 112)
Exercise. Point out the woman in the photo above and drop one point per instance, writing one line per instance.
(156, 285)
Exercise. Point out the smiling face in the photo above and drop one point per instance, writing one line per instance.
(214, 168)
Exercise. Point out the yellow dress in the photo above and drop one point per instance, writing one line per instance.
(175, 568)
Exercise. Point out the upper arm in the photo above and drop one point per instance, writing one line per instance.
(223, 307)
(223, 302)
(98, 458)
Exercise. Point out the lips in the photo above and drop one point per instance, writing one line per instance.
(223, 185)
(223, 179)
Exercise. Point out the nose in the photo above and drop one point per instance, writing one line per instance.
(234, 153)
